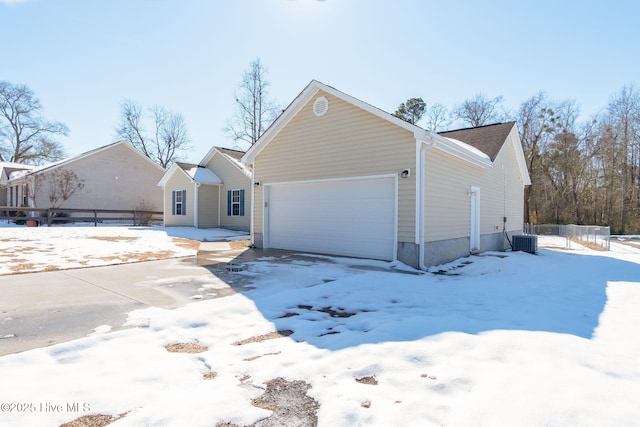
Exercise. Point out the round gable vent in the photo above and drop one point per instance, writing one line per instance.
(320, 106)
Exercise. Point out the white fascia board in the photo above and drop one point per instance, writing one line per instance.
(514, 138)
(84, 155)
(282, 120)
(68, 160)
(140, 153)
(207, 157)
(212, 153)
(456, 148)
(243, 169)
(368, 107)
(167, 175)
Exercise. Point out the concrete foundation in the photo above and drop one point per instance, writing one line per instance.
(409, 253)
(258, 241)
(444, 251)
(436, 253)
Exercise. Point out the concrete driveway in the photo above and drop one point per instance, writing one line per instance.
(41, 309)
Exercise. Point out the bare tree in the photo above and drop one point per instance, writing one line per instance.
(436, 118)
(168, 140)
(254, 110)
(622, 126)
(131, 128)
(25, 135)
(61, 185)
(538, 123)
(479, 111)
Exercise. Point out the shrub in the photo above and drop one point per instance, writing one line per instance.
(21, 214)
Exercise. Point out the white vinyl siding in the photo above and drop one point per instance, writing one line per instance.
(114, 178)
(447, 203)
(447, 198)
(179, 181)
(233, 179)
(514, 185)
(208, 206)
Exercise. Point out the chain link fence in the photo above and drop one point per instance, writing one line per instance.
(592, 236)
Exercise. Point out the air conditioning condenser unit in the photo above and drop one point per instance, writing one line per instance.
(525, 243)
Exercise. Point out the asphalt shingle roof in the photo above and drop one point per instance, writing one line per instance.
(488, 139)
(236, 154)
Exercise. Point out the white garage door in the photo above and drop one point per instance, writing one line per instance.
(352, 218)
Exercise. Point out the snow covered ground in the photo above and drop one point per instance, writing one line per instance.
(501, 339)
(24, 250)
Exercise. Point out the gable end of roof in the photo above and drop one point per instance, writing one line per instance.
(306, 96)
(489, 138)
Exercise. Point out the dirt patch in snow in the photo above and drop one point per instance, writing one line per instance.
(265, 337)
(98, 420)
(138, 256)
(239, 244)
(288, 400)
(186, 243)
(114, 238)
(367, 380)
(21, 265)
(252, 358)
(185, 347)
(209, 375)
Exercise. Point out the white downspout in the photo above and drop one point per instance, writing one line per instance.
(195, 204)
(421, 185)
(164, 207)
(252, 210)
(219, 203)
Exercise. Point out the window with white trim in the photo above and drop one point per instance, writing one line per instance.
(235, 203)
(179, 202)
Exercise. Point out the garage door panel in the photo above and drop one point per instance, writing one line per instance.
(352, 218)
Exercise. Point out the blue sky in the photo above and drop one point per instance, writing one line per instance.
(83, 58)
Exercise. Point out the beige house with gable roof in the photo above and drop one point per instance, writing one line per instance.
(336, 175)
(213, 193)
(115, 176)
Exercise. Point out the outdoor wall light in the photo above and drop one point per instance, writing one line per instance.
(257, 183)
(406, 173)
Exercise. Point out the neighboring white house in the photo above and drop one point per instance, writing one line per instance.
(116, 176)
(12, 195)
(213, 193)
(336, 175)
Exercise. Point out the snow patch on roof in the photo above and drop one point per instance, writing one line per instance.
(202, 175)
(243, 167)
(467, 147)
(9, 169)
